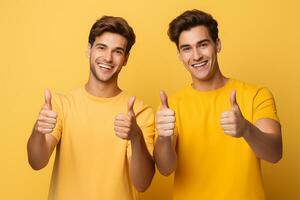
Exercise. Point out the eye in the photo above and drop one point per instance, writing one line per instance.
(185, 49)
(100, 47)
(119, 52)
(204, 44)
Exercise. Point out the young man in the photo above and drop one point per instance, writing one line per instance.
(102, 135)
(223, 126)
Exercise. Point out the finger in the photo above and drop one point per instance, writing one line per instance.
(225, 115)
(48, 97)
(165, 133)
(226, 121)
(228, 127)
(45, 125)
(45, 119)
(122, 135)
(122, 123)
(44, 130)
(164, 100)
(165, 119)
(121, 129)
(122, 117)
(48, 113)
(228, 132)
(130, 105)
(168, 126)
(166, 112)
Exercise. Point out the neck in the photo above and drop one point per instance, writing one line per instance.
(102, 89)
(217, 81)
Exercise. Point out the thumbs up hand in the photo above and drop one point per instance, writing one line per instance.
(126, 126)
(233, 122)
(165, 118)
(47, 118)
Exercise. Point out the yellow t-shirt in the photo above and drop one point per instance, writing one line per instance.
(211, 164)
(91, 162)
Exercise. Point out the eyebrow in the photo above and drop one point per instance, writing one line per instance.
(199, 42)
(116, 48)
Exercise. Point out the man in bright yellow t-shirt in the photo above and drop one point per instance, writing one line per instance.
(102, 135)
(214, 132)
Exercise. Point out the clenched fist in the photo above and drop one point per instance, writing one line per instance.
(47, 118)
(165, 118)
(233, 122)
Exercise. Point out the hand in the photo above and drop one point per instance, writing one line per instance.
(233, 122)
(126, 126)
(165, 118)
(47, 118)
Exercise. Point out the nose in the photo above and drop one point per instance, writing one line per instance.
(197, 54)
(108, 56)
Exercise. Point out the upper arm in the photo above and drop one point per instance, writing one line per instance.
(270, 126)
(51, 142)
(265, 115)
(264, 106)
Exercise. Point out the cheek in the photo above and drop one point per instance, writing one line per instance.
(119, 60)
(185, 58)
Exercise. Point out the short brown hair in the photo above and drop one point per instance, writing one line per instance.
(114, 25)
(190, 19)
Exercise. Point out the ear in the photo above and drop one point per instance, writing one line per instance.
(126, 59)
(88, 50)
(179, 56)
(218, 45)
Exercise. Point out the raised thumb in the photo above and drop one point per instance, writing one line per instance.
(164, 100)
(233, 102)
(130, 105)
(48, 97)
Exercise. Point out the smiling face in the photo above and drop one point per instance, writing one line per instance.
(107, 57)
(198, 52)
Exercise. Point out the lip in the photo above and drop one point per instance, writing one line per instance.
(105, 66)
(200, 64)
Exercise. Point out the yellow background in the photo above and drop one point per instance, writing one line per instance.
(42, 45)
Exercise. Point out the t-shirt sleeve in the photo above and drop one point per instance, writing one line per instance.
(264, 105)
(57, 107)
(145, 120)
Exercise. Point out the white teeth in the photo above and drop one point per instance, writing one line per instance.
(104, 66)
(199, 64)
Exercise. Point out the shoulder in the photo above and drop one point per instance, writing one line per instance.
(139, 105)
(64, 98)
(180, 94)
(249, 88)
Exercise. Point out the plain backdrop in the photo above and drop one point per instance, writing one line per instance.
(43, 44)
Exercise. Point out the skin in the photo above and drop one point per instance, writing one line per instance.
(107, 56)
(198, 53)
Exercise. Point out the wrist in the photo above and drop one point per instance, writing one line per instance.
(165, 139)
(247, 130)
(137, 135)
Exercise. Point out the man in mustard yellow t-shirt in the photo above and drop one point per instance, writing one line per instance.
(102, 135)
(214, 132)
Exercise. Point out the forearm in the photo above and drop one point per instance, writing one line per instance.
(267, 146)
(165, 155)
(142, 166)
(38, 151)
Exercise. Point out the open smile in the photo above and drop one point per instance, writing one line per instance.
(200, 64)
(105, 66)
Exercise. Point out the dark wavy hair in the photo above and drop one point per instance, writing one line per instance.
(190, 19)
(114, 25)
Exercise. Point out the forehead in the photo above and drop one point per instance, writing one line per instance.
(113, 40)
(194, 35)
